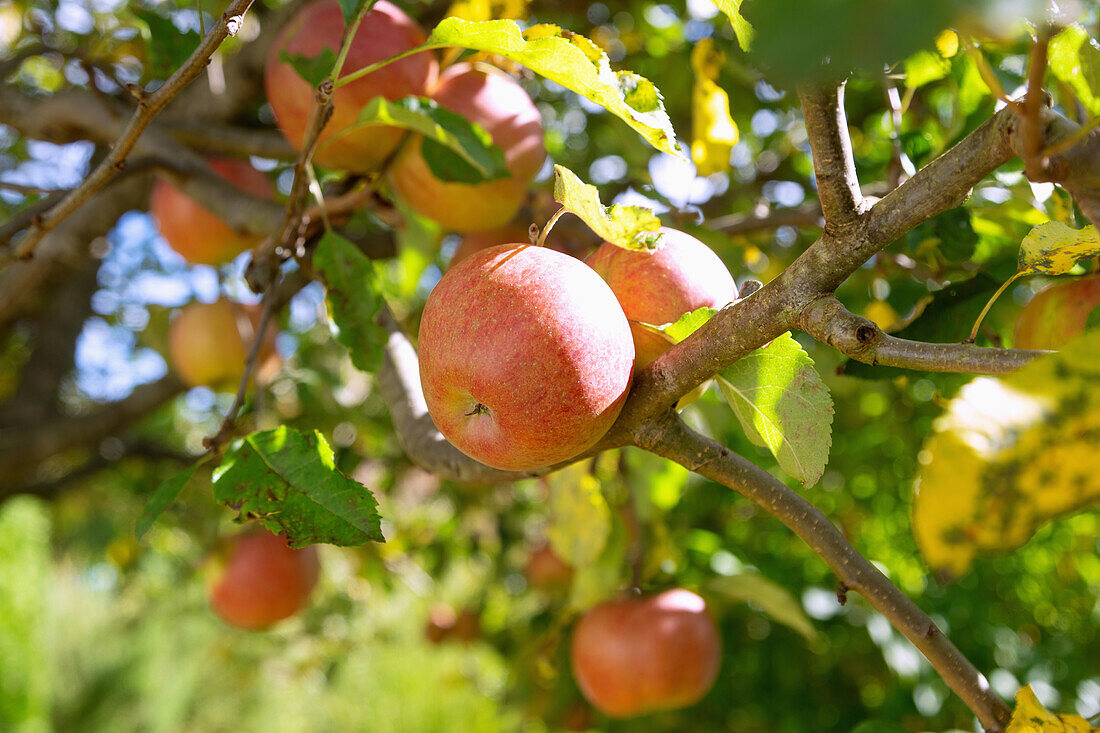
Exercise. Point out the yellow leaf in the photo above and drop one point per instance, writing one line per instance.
(580, 520)
(631, 227)
(881, 314)
(1009, 455)
(714, 133)
(947, 43)
(741, 27)
(1053, 248)
(1031, 717)
(479, 10)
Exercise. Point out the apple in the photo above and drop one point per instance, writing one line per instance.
(493, 100)
(659, 286)
(525, 356)
(192, 230)
(262, 580)
(208, 344)
(384, 31)
(546, 571)
(1057, 313)
(441, 623)
(640, 655)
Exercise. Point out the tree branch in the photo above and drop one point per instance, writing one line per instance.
(807, 215)
(672, 439)
(834, 165)
(829, 322)
(148, 107)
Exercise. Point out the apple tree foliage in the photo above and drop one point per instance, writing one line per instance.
(974, 495)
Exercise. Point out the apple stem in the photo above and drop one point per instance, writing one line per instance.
(479, 409)
(550, 225)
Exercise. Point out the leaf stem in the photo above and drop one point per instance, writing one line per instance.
(988, 305)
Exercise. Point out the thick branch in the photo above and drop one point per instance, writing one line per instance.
(674, 440)
(148, 107)
(834, 165)
(23, 448)
(829, 322)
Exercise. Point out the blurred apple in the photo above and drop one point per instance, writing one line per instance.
(384, 31)
(1057, 314)
(493, 100)
(261, 580)
(640, 655)
(546, 571)
(208, 344)
(193, 231)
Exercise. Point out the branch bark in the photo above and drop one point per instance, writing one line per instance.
(829, 322)
(834, 165)
(669, 437)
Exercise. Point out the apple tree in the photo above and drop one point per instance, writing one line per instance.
(813, 235)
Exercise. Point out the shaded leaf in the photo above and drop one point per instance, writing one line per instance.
(168, 48)
(631, 227)
(290, 482)
(713, 131)
(313, 69)
(1054, 248)
(770, 597)
(1031, 717)
(163, 497)
(350, 8)
(596, 581)
(1009, 455)
(783, 405)
(455, 149)
(353, 291)
(580, 520)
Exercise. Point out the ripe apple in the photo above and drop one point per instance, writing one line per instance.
(384, 31)
(639, 655)
(193, 231)
(493, 100)
(658, 287)
(441, 623)
(208, 344)
(262, 580)
(546, 571)
(1057, 313)
(525, 356)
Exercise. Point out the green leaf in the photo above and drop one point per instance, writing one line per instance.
(314, 70)
(770, 597)
(168, 48)
(686, 324)
(163, 497)
(354, 294)
(631, 227)
(289, 480)
(1075, 59)
(1092, 321)
(572, 61)
(924, 67)
(1009, 455)
(1054, 248)
(878, 726)
(741, 27)
(351, 7)
(598, 580)
(455, 149)
(782, 404)
(580, 520)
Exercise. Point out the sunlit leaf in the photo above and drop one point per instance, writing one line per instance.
(1031, 717)
(488, 9)
(713, 131)
(632, 227)
(1009, 455)
(1054, 248)
(354, 294)
(1075, 60)
(783, 405)
(741, 27)
(290, 482)
(767, 595)
(686, 324)
(580, 519)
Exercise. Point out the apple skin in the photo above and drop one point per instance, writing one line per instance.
(658, 287)
(263, 580)
(1057, 313)
(384, 31)
(546, 571)
(193, 231)
(493, 100)
(525, 356)
(208, 344)
(640, 655)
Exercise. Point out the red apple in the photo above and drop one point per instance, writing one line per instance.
(493, 100)
(441, 623)
(546, 571)
(263, 580)
(200, 236)
(658, 287)
(208, 344)
(385, 31)
(525, 356)
(1057, 313)
(639, 655)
